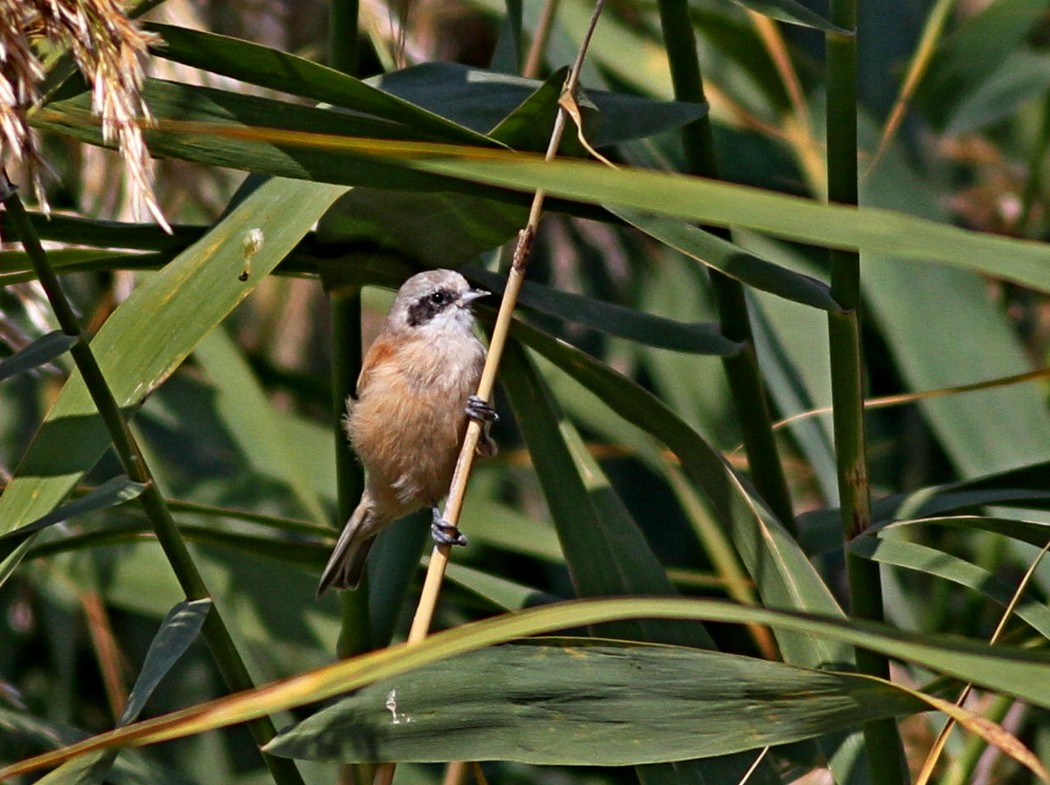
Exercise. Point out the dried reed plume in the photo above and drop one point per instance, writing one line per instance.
(108, 50)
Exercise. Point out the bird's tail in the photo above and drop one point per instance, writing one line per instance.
(347, 561)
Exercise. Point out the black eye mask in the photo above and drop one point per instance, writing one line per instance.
(426, 308)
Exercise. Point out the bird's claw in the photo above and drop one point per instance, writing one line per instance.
(479, 410)
(482, 412)
(444, 533)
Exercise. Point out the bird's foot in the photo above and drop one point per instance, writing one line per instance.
(479, 410)
(444, 533)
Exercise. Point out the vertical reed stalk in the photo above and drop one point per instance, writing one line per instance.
(345, 322)
(745, 380)
(355, 633)
(882, 741)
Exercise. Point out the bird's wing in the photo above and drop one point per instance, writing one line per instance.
(378, 355)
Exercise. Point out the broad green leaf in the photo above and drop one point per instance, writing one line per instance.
(40, 352)
(148, 336)
(589, 703)
(117, 490)
(630, 705)
(1021, 672)
(789, 217)
(732, 260)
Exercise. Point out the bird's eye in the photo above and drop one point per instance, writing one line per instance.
(440, 297)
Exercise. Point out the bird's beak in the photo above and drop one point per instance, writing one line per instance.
(471, 295)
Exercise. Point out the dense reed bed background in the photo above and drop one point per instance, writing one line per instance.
(774, 468)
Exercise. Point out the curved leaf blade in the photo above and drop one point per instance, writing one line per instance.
(931, 561)
(335, 157)
(277, 70)
(179, 629)
(612, 319)
(793, 218)
(793, 13)
(117, 490)
(1011, 670)
(732, 260)
(40, 352)
(1035, 533)
(484, 100)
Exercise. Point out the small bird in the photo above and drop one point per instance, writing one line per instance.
(414, 398)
